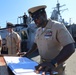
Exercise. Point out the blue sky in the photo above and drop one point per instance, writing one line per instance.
(11, 9)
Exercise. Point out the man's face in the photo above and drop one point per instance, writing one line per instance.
(40, 19)
(9, 29)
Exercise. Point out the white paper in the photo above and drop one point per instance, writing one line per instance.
(21, 65)
(31, 73)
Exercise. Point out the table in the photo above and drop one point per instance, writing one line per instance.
(4, 70)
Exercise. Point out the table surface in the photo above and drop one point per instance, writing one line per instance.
(21, 65)
(4, 70)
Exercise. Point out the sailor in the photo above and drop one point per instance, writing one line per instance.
(53, 41)
(13, 40)
(25, 17)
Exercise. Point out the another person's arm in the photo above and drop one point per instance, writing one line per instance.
(18, 43)
(0, 44)
(34, 48)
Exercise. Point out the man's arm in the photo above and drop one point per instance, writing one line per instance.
(65, 53)
(0, 44)
(19, 46)
(34, 48)
(18, 43)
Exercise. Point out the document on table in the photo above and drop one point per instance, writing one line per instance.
(21, 65)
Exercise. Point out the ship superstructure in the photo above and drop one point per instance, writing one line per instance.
(27, 31)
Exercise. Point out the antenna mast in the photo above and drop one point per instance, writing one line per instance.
(56, 14)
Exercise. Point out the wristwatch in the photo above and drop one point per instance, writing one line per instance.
(56, 65)
(54, 62)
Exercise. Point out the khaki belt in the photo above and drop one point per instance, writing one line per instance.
(45, 60)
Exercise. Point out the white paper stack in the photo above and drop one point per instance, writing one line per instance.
(21, 65)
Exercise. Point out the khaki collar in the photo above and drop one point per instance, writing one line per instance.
(49, 24)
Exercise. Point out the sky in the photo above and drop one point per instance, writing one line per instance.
(10, 10)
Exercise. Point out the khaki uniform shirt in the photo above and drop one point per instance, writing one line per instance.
(12, 42)
(52, 39)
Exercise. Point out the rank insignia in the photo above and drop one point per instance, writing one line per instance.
(48, 32)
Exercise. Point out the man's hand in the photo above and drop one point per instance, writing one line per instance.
(44, 67)
(21, 53)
